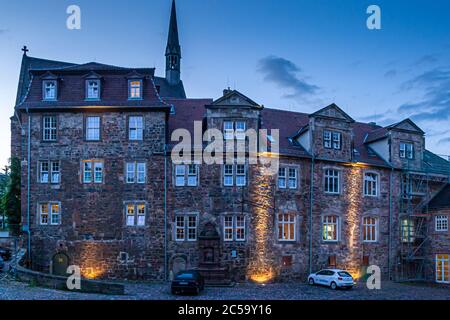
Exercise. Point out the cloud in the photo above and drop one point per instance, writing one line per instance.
(426, 59)
(287, 75)
(435, 101)
(444, 140)
(390, 73)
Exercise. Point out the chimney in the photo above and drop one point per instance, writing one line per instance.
(373, 124)
(226, 91)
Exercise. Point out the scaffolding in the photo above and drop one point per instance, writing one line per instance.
(415, 218)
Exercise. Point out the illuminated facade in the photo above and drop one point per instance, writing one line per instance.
(94, 141)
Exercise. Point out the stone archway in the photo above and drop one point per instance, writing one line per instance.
(60, 263)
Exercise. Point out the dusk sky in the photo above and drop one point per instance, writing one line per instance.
(294, 55)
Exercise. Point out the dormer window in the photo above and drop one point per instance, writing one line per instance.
(135, 89)
(406, 150)
(93, 89)
(332, 139)
(49, 90)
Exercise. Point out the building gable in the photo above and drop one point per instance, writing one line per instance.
(406, 125)
(235, 98)
(334, 112)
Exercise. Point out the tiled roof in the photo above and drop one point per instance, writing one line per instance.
(170, 91)
(435, 164)
(376, 134)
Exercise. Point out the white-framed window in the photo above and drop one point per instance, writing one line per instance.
(49, 213)
(49, 128)
(49, 171)
(370, 229)
(92, 171)
(441, 223)
(135, 214)
(93, 89)
(136, 128)
(49, 90)
(293, 177)
(228, 177)
(186, 227)
(286, 227)
(407, 230)
(186, 175)
(232, 129)
(234, 228)
(136, 172)
(234, 174)
(332, 184)
(93, 128)
(135, 89)
(371, 182)
(282, 178)
(406, 150)
(330, 228)
(442, 268)
(332, 139)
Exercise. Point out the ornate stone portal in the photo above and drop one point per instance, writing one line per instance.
(210, 252)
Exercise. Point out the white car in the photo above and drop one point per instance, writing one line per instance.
(333, 278)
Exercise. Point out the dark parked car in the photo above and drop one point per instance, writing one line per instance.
(5, 253)
(188, 281)
(2, 264)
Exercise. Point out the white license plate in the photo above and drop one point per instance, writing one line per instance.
(183, 283)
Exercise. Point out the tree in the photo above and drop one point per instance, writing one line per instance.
(10, 201)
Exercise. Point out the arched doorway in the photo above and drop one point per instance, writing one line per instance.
(60, 263)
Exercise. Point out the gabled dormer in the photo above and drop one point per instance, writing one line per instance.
(330, 134)
(233, 112)
(406, 145)
(49, 87)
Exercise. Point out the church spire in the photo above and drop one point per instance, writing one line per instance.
(173, 50)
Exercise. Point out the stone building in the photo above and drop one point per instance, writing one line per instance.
(100, 189)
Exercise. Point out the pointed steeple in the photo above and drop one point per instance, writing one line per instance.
(173, 50)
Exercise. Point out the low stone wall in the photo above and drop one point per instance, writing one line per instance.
(59, 282)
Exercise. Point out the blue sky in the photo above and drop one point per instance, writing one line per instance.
(295, 55)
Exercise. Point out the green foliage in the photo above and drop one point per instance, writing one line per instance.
(10, 199)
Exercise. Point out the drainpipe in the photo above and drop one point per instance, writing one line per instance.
(311, 201)
(165, 212)
(28, 187)
(390, 224)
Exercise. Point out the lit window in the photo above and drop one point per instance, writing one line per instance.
(49, 213)
(135, 89)
(332, 181)
(135, 214)
(371, 184)
(179, 228)
(49, 90)
(442, 268)
(240, 228)
(330, 225)
(228, 228)
(186, 227)
(135, 172)
(282, 178)
(407, 230)
(93, 128)
(406, 150)
(92, 89)
(92, 171)
(286, 227)
(441, 223)
(49, 128)
(136, 128)
(370, 228)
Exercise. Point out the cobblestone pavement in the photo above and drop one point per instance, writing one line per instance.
(12, 290)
